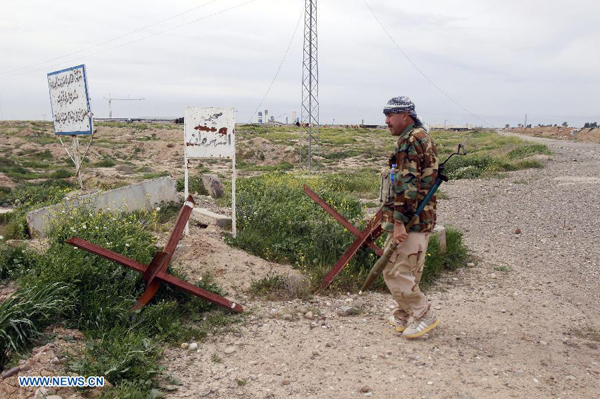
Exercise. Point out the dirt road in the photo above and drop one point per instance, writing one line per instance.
(524, 322)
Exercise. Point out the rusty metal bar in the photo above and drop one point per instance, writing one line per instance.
(106, 254)
(351, 251)
(182, 218)
(161, 265)
(349, 226)
(197, 291)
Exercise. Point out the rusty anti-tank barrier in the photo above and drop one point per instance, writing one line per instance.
(365, 237)
(156, 272)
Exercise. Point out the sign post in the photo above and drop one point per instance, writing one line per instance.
(209, 133)
(71, 110)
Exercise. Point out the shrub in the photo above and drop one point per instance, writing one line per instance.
(470, 167)
(105, 163)
(122, 356)
(14, 261)
(32, 196)
(195, 185)
(61, 174)
(457, 252)
(434, 261)
(529, 150)
(279, 222)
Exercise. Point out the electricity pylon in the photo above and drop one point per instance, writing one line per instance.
(310, 79)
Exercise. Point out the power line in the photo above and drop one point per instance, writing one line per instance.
(110, 40)
(278, 69)
(137, 40)
(421, 71)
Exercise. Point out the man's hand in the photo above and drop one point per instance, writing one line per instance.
(400, 233)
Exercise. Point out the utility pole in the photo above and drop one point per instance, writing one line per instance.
(110, 100)
(310, 79)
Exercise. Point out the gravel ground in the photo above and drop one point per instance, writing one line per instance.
(523, 322)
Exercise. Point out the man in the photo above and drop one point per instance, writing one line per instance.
(417, 163)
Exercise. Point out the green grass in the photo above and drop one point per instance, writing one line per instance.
(14, 261)
(105, 163)
(279, 222)
(24, 314)
(489, 154)
(283, 166)
(16, 171)
(25, 198)
(195, 185)
(154, 175)
(529, 150)
(291, 226)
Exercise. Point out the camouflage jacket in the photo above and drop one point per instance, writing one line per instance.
(416, 157)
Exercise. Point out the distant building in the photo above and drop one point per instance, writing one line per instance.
(260, 120)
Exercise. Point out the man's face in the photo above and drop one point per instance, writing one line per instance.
(396, 123)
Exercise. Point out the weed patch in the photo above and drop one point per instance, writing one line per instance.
(528, 150)
(105, 163)
(278, 287)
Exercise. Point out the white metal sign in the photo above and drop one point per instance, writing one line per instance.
(70, 101)
(209, 132)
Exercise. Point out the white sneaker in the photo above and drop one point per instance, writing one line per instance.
(418, 327)
(399, 324)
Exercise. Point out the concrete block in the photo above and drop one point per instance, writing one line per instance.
(205, 216)
(439, 232)
(145, 195)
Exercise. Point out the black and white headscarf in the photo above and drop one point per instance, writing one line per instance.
(400, 104)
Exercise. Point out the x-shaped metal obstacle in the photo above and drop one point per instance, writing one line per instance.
(366, 236)
(156, 272)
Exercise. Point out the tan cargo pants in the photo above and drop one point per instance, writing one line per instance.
(403, 273)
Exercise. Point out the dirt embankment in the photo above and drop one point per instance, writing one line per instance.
(562, 133)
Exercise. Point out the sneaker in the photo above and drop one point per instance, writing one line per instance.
(399, 324)
(418, 327)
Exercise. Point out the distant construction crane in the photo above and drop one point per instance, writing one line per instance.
(110, 100)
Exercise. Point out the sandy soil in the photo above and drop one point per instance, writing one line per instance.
(523, 322)
(47, 360)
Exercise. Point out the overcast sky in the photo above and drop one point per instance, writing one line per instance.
(500, 59)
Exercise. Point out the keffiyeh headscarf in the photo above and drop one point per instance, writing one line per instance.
(400, 104)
